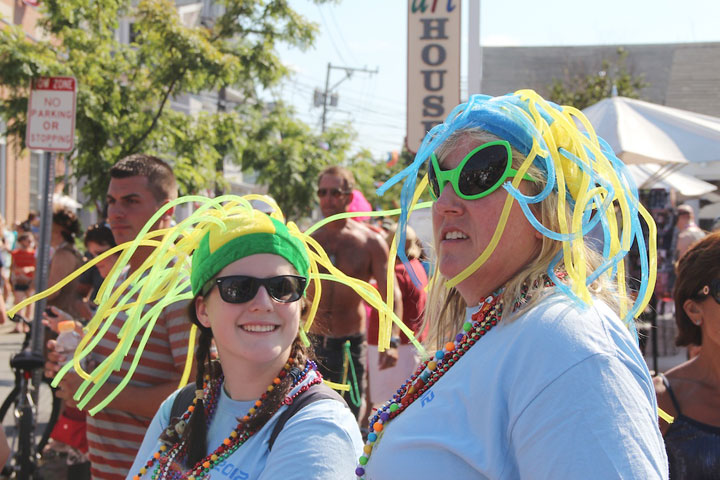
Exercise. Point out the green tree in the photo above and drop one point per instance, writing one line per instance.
(583, 91)
(125, 90)
(370, 174)
(288, 159)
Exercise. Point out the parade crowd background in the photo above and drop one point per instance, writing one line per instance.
(260, 131)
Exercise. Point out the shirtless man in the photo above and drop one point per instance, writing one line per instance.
(359, 252)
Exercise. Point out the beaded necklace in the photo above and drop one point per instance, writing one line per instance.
(168, 456)
(430, 371)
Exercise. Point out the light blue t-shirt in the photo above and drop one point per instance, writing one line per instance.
(559, 393)
(321, 441)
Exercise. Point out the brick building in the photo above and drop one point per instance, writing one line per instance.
(21, 173)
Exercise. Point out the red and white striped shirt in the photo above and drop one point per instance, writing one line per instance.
(114, 436)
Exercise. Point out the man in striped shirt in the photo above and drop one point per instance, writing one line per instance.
(139, 186)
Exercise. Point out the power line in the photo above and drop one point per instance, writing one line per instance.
(332, 39)
(348, 73)
(342, 37)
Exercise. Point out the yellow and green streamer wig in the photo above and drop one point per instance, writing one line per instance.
(164, 278)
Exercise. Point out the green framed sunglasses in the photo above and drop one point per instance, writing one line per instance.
(479, 174)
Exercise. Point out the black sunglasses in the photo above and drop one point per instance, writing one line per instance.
(242, 288)
(334, 192)
(712, 289)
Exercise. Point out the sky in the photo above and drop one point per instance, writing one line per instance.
(372, 35)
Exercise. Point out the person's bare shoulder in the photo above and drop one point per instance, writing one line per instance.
(372, 238)
(64, 254)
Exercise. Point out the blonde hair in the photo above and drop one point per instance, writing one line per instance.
(445, 309)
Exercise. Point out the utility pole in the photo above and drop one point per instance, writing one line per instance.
(348, 73)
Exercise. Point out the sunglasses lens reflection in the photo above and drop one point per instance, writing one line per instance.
(284, 289)
(483, 170)
(238, 289)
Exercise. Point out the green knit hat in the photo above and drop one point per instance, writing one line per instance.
(244, 234)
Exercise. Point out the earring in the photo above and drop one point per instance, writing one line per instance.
(698, 322)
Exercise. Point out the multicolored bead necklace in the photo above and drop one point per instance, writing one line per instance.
(166, 456)
(429, 372)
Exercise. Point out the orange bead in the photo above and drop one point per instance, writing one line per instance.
(156, 455)
(258, 403)
(206, 464)
(226, 441)
(449, 346)
(377, 426)
(431, 366)
(191, 408)
(245, 418)
(136, 477)
(276, 381)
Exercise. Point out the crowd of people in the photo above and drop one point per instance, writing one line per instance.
(556, 388)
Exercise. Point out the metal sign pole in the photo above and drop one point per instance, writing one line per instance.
(43, 258)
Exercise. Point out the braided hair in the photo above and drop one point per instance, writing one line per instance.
(194, 434)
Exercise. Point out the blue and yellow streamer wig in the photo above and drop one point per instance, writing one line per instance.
(578, 165)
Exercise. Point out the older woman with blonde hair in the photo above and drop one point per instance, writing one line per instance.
(536, 371)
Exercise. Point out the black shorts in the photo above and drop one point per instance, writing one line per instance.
(21, 288)
(330, 354)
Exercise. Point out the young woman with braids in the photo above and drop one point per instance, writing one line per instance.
(248, 281)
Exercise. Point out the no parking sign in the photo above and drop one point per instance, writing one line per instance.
(51, 114)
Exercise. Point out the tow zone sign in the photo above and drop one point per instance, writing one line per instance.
(51, 114)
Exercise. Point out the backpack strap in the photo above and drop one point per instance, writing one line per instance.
(182, 400)
(316, 392)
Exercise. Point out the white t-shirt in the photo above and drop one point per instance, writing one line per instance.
(321, 441)
(558, 393)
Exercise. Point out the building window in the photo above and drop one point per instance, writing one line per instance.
(132, 32)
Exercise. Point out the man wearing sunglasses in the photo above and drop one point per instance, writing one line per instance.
(139, 185)
(360, 252)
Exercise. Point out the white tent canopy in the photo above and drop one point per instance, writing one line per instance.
(642, 132)
(646, 176)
